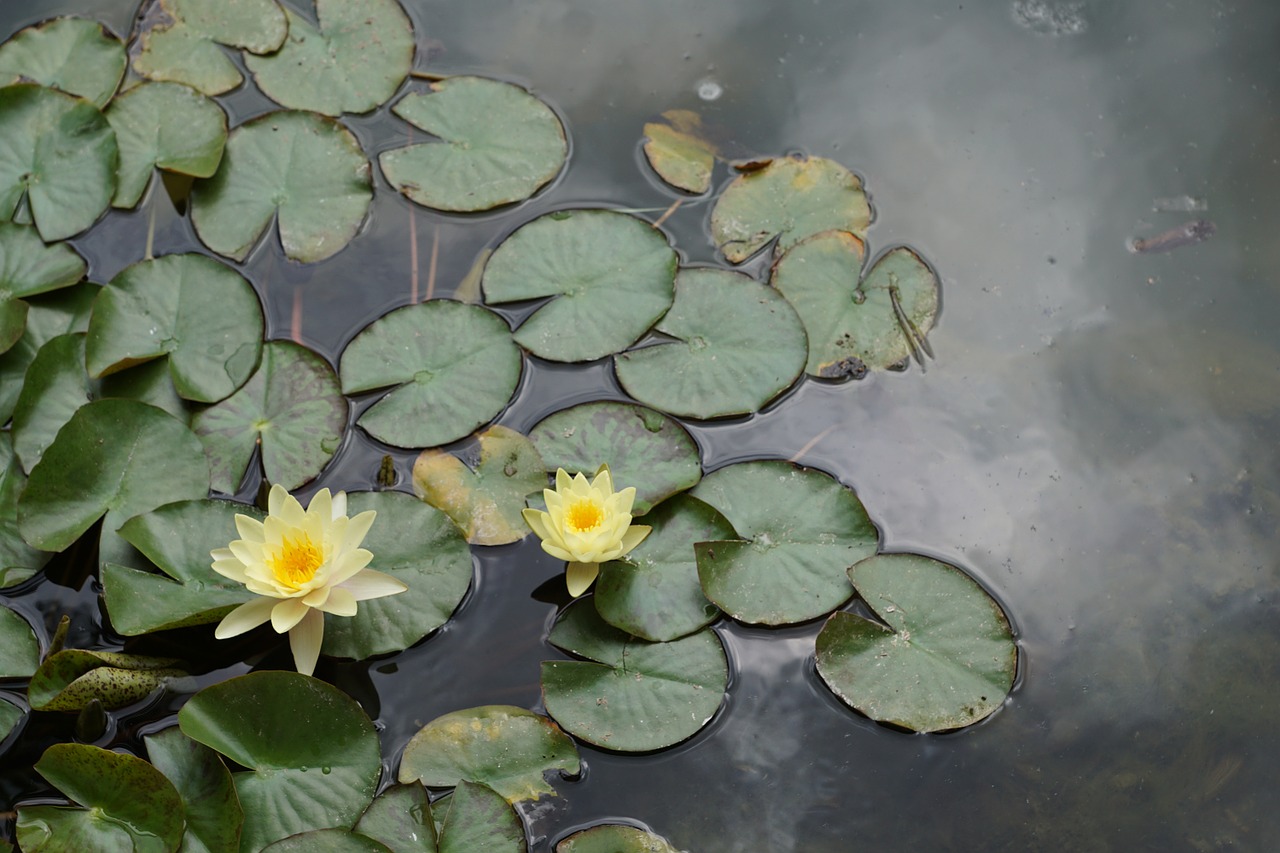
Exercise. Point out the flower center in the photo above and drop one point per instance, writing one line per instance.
(584, 516)
(297, 562)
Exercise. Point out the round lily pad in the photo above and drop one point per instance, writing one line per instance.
(654, 592)
(27, 267)
(60, 153)
(417, 545)
(498, 145)
(455, 367)
(738, 345)
(71, 679)
(643, 448)
(876, 322)
(312, 754)
(304, 170)
(677, 152)
(19, 648)
(209, 803)
(74, 55)
(480, 819)
(484, 503)
(352, 62)
(167, 126)
(615, 838)
(400, 817)
(48, 316)
(116, 457)
(790, 199)
(201, 314)
(798, 531)
(258, 26)
(18, 560)
(611, 275)
(631, 695)
(291, 408)
(177, 53)
(128, 804)
(946, 659)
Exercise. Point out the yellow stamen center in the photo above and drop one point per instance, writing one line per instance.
(297, 562)
(584, 516)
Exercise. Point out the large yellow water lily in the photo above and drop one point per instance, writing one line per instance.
(303, 564)
(586, 523)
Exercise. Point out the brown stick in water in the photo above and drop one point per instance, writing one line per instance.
(1187, 234)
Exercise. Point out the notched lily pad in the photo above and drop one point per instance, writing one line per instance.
(615, 838)
(28, 266)
(258, 26)
(678, 153)
(484, 503)
(73, 55)
(400, 818)
(480, 819)
(19, 648)
(70, 679)
(498, 145)
(946, 659)
(47, 316)
(213, 814)
(790, 198)
(179, 40)
(326, 841)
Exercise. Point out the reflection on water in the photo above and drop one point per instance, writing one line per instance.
(1096, 441)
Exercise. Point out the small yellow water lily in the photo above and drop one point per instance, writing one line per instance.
(586, 523)
(304, 563)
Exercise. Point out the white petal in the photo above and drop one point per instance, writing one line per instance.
(359, 528)
(249, 528)
(603, 480)
(634, 536)
(287, 613)
(579, 576)
(229, 567)
(276, 499)
(317, 596)
(372, 584)
(563, 481)
(246, 617)
(535, 518)
(246, 551)
(341, 603)
(339, 505)
(553, 550)
(321, 505)
(305, 640)
(347, 565)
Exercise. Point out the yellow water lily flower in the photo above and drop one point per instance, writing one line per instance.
(586, 523)
(303, 564)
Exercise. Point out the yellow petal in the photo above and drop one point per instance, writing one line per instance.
(276, 499)
(579, 576)
(347, 565)
(372, 584)
(321, 505)
(604, 480)
(634, 536)
(563, 480)
(287, 613)
(249, 528)
(555, 551)
(358, 528)
(339, 505)
(246, 617)
(305, 640)
(229, 567)
(341, 603)
(535, 519)
(317, 597)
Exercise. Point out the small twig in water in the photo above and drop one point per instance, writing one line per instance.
(151, 227)
(413, 256)
(431, 268)
(670, 210)
(295, 326)
(916, 341)
(799, 454)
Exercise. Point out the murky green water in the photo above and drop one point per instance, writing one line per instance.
(1096, 441)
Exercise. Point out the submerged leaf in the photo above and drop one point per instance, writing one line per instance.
(679, 155)
(615, 838)
(73, 55)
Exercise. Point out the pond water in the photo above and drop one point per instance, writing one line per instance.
(1096, 441)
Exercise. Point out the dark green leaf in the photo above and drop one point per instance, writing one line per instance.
(400, 818)
(56, 387)
(50, 315)
(74, 55)
(19, 648)
(208, 795)
(480, 819)
(29, 267)
(18, 560)
(326, 841)
(10, 716)
(70, 679)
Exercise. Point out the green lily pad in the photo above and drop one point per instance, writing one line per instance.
(18, 560)
(878, 321)
(417, 545)
(326, 841)
(454, 366)
(60, 154)
(56, 387)
(790, 199)
(48, 316)
(19, 648)
(612, 276)
(292, 408)
(485, 503)
(165, 126)
(676, 151)
(116, 457)
(181, 43)
(798, 531)
(177, 538)
(946, 660)
(27, 267)
(653, 592)
(353, 62)
(70, 679)
(615, 838)
(738, 345)
(201, 314)
(499, 144)
(73, 55)
(480, 819)
(209, 803)
(128, 805)
(312, 754)
(631, 695)
(643, 448)
(150, 382)
(507, 748)
(258, 26)
(10, 716)
(400, 818)
(304, 170)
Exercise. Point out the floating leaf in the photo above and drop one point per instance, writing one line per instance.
(74, 55)
(177, 538)
(677, 152)
(68, 680)
(485, 503)
(631, 695)
(311, 752)
(258, 26)
(415, 544)
(60, 153)
(182, 45)
(326, 841)
(738, 344)
(291, 407)
(56, 387)
(164, 126)
(653, 592)
(507, 748)
(128, 804)
(480, 819)
(49, 315)
(18, 560)
(790, 198)
(116, 457)
(499, 144)
(19, 648)
(878, 321)
(355, 61)
(946, 660)
(209, 803)
(615, 838)
(643, 448)
(27, 267)
(201, 314)
(612, 276)
(10, 716)
(454, 364)
(400, 818)
(306, 171)
(798, 531)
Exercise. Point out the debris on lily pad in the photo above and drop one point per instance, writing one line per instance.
(678, 153)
